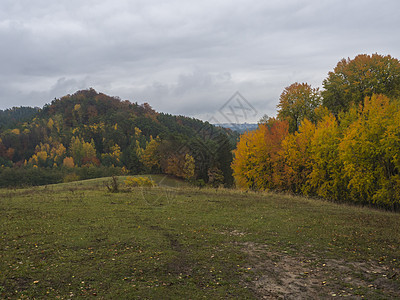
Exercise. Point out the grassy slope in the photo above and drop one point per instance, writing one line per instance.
(78, 240)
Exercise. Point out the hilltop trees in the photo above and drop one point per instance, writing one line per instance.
(353, 80)
(298, 102)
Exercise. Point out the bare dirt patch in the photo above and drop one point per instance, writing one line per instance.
(282, 276)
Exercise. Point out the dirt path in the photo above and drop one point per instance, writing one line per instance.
(281, 276)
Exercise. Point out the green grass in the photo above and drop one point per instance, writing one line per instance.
(76, 240)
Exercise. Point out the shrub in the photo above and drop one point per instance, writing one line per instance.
(29, 176)
(91, 172)
(71, 177)
(139, 181)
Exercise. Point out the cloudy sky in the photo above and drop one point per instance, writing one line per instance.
(184, 57)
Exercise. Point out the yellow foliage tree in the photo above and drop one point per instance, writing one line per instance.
(50, 123)
(296, 153)
(58, 153)
(48, 155)
(83, 153)
(257, 161)
(189, 167)
(138, 133)
(326, 178)
(369, 151)
(112, 158)
(151, 156)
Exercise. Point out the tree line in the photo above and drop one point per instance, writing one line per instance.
(341, 143)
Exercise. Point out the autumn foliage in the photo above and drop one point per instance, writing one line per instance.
(257, 157)
(89, 132)
(349, 154)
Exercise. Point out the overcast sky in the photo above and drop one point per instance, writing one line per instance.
(184, 57)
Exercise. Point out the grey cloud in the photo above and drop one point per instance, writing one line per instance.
(183, 57)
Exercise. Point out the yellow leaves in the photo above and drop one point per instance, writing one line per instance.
(124, 170)
(355, 159)
(77, 107)
(58, 151)
(42, 157)
(324, 146)
(256, 163)
(138, 133)
(50, 123)
(139, 182)
(189, 167)
(241, 164)
(116, 151)
(88, 149)
(33, 160)
(16, 131)
(83, 152)
(43, 147)
(94, 128)
(366, 150)
(139, 150)
(150, 157)
(296, 152)
(47, 155)
(112, 158)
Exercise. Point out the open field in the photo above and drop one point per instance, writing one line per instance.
(77, 240)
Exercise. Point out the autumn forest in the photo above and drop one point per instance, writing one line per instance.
(89, 134)
(340, 143)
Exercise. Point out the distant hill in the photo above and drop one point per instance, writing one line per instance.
(9, 118)
(240, 128)
(89, 128)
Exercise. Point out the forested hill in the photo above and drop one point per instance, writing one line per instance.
(89, 129)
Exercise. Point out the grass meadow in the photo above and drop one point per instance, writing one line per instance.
(77, 240)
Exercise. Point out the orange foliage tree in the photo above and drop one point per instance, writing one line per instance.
(256, 163)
